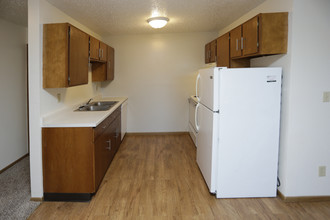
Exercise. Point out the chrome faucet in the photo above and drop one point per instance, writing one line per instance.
(89, 101)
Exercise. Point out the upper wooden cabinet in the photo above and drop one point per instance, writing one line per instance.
(235, 42)
(264, 34)
(65, 56)
(98, 50)
(111, 64)
(104, 71)
(210, 51)
(223, 51)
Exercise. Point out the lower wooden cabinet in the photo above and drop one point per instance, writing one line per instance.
(76, 159)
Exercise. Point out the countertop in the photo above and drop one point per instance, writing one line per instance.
(70, 118)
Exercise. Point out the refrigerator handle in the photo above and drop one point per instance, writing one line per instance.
(197, 84)
(196, 116)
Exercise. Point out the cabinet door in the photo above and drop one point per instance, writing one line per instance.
(94, 48)
(250, 36)
(103, 52)
(235, 42)
(207, 53)
(111, 64)
(223, 50)
(117, 134)
(67, 156)
(103, 148)
(213, 51)
(78, 57)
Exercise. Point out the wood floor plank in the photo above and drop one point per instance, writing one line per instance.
(156, 177)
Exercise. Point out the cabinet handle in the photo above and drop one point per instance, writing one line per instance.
(109, 145)
(242, 41)
(102, 53)
(236, 44)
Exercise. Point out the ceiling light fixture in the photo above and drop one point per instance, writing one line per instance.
(158, 22)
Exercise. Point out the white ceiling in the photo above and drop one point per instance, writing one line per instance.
(14, 11)
(115, 17)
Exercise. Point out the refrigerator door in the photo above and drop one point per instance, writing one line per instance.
(249, 132)
(207, 145)
(208, 88)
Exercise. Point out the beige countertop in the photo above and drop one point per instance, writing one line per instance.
(70, 118)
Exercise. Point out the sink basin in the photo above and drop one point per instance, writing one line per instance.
(103, 103)
(94, 108)
(97, 106)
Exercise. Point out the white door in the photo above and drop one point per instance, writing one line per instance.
(206, 144)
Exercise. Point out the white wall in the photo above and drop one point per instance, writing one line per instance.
(13, 93)
(44, 101)
(157, 73)
(307, 142)
(305, 121)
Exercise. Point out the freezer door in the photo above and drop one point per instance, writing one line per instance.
(208, 88)
(207, 145)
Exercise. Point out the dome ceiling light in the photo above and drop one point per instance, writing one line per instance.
(158, 22)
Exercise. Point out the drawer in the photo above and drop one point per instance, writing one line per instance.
(98, 130)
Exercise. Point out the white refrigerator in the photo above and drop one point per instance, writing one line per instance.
(238, 122)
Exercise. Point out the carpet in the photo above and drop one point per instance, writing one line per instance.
(15, 192)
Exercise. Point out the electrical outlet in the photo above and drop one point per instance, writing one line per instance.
(58, 97)
(322, 171)
(326, 96)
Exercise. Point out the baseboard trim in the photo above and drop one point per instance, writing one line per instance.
(37, 199)
(156, 133)
(13, 163)
(303, 198)
(68, 197)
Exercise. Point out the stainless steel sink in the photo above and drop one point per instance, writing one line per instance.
(97, 106)
(103, 103)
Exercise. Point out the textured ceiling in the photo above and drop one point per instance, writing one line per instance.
(14, 11)
(115, 17)
(129, 16)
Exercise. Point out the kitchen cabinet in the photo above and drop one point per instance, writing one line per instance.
(235, 42)
(75, 159)
(210, 51)
(98, 50)
(223, 51)
(104, 71)
(65, 56)
(111, 63)
(223, 54)
(264, 34)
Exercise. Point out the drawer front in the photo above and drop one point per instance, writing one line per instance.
(105, 123)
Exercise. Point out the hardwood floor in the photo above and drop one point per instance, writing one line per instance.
(156, 177)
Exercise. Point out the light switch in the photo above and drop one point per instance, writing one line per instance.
(58, 97)
(326, 96)
(322, 171)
